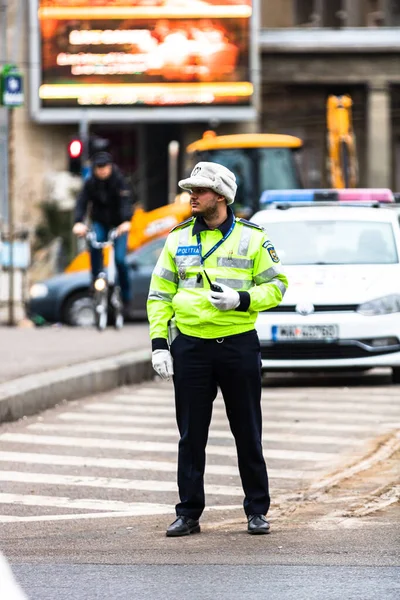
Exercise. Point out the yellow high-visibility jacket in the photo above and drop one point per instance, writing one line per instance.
(246, 262)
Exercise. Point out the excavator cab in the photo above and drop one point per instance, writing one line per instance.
(260, 162)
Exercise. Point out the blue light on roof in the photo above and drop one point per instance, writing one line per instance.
(271, 196)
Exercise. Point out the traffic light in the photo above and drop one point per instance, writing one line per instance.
(75, 152)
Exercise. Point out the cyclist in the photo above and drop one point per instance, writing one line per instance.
(108, 200)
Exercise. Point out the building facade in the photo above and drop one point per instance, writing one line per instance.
(309, 49)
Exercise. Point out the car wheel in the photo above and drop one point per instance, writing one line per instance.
(78, 310)
(396, 375)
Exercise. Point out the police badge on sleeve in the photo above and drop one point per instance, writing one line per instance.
(271, 250)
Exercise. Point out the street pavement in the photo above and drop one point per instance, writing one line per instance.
(88, 488)
(26, 351)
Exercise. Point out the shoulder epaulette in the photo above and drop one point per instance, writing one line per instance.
(250, 224)
(183, 224)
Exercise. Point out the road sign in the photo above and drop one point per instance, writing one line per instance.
(11, 87)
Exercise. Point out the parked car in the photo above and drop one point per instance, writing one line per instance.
(65, 298)
(342, 307)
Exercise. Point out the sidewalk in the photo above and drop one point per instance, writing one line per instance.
(41, 367)
(32, 351)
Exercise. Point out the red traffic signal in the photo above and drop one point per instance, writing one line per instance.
(75, 155)
(75, 148)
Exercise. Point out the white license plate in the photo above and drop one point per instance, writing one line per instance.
(304, 332)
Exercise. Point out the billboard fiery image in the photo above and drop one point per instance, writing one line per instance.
(145, 52)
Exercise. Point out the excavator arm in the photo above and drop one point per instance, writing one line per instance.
(342, 155)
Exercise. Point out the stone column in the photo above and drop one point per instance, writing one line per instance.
(379, 135)
(352, 9)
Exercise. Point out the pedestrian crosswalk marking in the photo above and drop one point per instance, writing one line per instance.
(79, 504)
(342, 419)
(142, 510)
(276, 412)
(91, 416)
(145, 446)
(135, 465)
(366, 394)
(270, 402)
(138, 399)
(111, 483)
(215, 434)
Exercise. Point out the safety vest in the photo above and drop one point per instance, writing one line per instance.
(245, 261)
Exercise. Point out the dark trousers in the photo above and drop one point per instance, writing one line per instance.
(96, 257)
(201, 366)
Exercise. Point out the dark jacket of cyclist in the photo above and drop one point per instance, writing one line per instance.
(109, 201)
(106, 198)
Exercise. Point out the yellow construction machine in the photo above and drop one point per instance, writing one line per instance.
(260, 162)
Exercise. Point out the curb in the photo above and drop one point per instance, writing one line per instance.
(33, 393)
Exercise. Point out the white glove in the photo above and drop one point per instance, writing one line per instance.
(162, 363)
(228, 299)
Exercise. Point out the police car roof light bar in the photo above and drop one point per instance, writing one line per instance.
(309, 196)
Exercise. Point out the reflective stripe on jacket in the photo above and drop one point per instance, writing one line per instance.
(246, 261)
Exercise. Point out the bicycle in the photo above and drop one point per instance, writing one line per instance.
(107, 293)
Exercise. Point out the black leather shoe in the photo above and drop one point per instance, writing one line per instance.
(183, 526)
(257, 525)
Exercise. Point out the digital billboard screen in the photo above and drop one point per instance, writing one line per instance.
(144, 53)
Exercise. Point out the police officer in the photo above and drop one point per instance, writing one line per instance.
(215, 273)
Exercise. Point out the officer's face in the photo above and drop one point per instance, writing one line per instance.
(204, 202)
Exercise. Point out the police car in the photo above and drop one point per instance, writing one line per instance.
(340, 250)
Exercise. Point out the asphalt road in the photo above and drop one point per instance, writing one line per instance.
(209, 582)
(88, 488)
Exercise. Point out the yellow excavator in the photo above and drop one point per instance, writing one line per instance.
(260, 162)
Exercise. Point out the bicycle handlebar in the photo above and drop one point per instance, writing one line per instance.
(91, 238)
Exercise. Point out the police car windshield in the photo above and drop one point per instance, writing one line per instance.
(334, 242)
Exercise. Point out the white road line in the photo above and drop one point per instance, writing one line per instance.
(31, 458)
(80, 504)
(282, 413)
(152, 391)
(268, 425)
(139, 408)
(142, 510)
(361, 393)
(388, 392)
(303, 403)
(215, 434)
(145, 446)
(111, 483)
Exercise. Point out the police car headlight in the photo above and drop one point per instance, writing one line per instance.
(381, 306)
(38, 290)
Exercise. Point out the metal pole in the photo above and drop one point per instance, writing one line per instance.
(142, 181)
(11, 320)
(3, 31)
(3, 115)
(19, 27)
(173, 155)
(84, 137)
